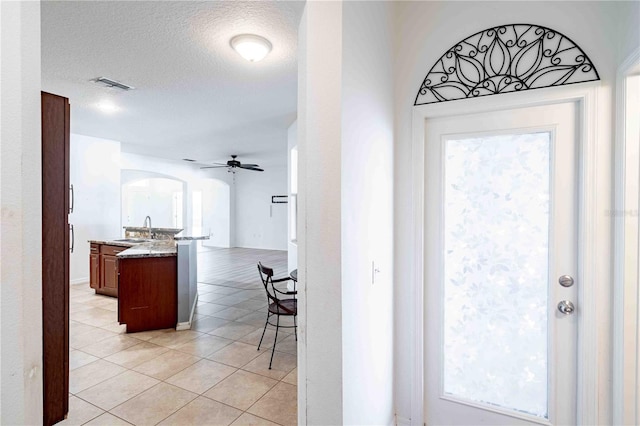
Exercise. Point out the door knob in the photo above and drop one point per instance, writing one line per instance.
(566, 307)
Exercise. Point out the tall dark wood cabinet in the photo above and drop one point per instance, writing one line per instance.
(55, 256)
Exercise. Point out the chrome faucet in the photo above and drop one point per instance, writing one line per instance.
(148, 218)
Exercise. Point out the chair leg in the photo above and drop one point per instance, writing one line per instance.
(274, 341)
(295, 327)
(263, 331)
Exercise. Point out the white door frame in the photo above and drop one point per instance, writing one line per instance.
(626, 314)
(591, 317)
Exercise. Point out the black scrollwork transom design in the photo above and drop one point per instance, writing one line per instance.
(507, 58)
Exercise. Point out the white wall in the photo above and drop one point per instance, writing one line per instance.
(319, 236)
(628, 29)
(292, 247)
(367, 213)
(96, 169)
(424, 31)
(345, 143)
(238, 209)
(626, 398)
(216, 215)
(194, 179)
(95, 176)
(159, 198)
(259, 223)
(21, 195)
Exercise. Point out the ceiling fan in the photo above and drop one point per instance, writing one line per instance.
(235, 164)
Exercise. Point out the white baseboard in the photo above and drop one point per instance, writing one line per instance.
(84, 280)
(183, 326)
(402, 421)
(187, 325)
(193, 307)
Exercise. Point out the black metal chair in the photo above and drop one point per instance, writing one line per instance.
(277, 306)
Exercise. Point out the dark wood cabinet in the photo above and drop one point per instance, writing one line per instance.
(109, 275)
(103, 268)
(55, 112)
(148, 293)
(146, 287)
(94, 267)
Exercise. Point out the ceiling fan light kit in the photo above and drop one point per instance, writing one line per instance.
(251, 47)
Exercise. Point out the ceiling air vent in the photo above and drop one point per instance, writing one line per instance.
(112, 83)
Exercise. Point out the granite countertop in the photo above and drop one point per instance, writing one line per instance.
(117, 242)
(158, 248)
(192, 234)
(153, 229)
(191, 237)
(140, 247)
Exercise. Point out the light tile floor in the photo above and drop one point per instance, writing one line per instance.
(209, 375)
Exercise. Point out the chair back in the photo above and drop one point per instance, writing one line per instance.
(266, 275)
(283, 304)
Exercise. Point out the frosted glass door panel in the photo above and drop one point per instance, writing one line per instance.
(496, 271)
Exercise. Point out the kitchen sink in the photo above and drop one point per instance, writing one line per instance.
(133, 240)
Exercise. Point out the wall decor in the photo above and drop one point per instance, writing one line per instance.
(503, 59)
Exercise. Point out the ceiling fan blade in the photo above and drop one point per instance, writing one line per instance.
(250, 165)
(251, 168)
(213, 167)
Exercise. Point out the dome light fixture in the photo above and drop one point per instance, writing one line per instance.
(251, 47)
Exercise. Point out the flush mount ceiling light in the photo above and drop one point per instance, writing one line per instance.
(251, 47)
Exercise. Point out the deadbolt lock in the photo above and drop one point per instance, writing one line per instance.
(566, 307)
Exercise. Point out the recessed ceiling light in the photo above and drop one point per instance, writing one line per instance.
(107, 107)
(251, 47)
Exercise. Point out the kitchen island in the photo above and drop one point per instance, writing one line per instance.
(148, 286)
(104, 255)
(154, 280)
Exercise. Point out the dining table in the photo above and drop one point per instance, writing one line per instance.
(294, 277)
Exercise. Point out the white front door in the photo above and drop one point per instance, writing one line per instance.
(500, 235)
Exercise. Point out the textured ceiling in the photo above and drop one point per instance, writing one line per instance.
(195, 97)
